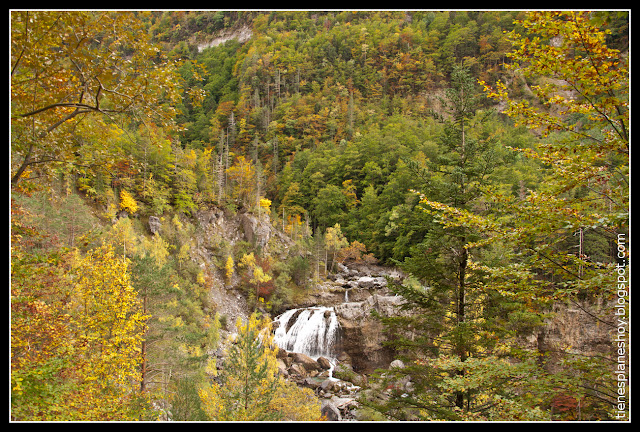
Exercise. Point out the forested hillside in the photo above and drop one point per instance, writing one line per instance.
(484, 153)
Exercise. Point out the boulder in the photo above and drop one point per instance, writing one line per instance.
(305, 361)
(396, 364)
(324, 363)
(297, 369)
(330, 411)
(327, 384)
(154, 224)
(368, 282)
(338, 408)
(281, 353)
(312, 382)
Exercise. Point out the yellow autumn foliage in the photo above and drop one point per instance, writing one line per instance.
(127, 202)
(108, 311)
(229, 268)
(87, 366)
(265, 203)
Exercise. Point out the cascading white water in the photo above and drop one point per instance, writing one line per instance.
(314, 331)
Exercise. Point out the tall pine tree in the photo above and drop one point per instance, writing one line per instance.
(453, 342)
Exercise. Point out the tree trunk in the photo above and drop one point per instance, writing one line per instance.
(461, 349)
(143, 366)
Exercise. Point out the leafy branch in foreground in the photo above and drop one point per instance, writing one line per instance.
(68, 66)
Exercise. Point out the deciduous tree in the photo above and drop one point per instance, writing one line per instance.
(76, 334)
(66, 65)
(242, 173)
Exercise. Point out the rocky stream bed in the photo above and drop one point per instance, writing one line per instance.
(331, 345)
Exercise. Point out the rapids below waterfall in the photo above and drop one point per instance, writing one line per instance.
(313, 331)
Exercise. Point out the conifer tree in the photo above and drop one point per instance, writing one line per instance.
(249, 387)
(455, 340)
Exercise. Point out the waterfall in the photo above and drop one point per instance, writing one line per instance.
(313, 331)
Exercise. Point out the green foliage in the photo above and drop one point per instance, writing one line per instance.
(531, 231)
(185, 403)
(458, 327)
(67, 219)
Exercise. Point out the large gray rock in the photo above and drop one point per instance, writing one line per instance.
(256, 231)
(368, 282)
(330, 411)
(154, 224)
(363, 335)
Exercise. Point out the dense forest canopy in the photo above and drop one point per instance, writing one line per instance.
(486, 153)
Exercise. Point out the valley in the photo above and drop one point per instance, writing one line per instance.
(320, 215)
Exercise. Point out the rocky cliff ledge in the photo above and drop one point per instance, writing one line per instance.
(241, 34)
(363, 334)
(355, 292)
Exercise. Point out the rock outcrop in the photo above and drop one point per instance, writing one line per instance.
(574, 329)
(363, 334)
(355, 283)
(256, 231)
(241, 34)
(154, 224)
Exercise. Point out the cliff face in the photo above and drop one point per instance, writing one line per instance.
(241, 34)
(363, 334)
(216, 233)
(572, 329)
(220, 234)
(580, 328)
